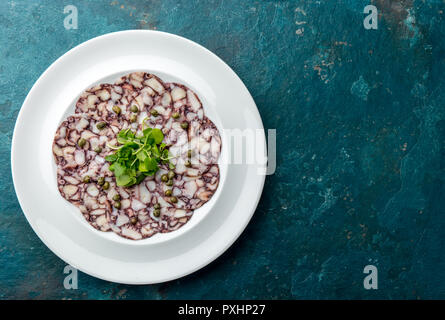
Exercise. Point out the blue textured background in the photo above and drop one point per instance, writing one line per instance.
(360, 119)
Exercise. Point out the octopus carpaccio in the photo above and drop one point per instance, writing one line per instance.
(195, 151)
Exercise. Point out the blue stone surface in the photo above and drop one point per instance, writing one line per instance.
(360, 120)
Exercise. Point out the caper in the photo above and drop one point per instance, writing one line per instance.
(134, 220)
(106, 185)
(154, 113)
(81, 142)
(117, 110)
(188, 164)
(169, 183)
(134, 108)
(170, 174)
(98, 149)
(86, 179)
(133, 118)
(184, 125)
(117, 205)
(116, 197)
(157, 206)
(101, 181)
(101, 125)
(176, 115)
(164, 178)
(189, 153)
(157, 212)
(173, 199)
(168, 192)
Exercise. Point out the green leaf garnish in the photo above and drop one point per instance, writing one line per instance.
(136, 157)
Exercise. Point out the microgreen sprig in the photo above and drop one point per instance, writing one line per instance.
(137, 156)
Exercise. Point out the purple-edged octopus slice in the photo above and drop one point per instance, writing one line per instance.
(135, 219)
(202, 151)
(195, 149)
(88, 197)
(76, 160)
(150, 95)
(201, 136)
(101, 101)
(186, 102)
(78, 141)
(188, 192)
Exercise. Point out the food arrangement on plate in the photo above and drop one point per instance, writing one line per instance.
(59, 165)
(138, 156)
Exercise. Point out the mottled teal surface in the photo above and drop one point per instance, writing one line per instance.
(360, 119)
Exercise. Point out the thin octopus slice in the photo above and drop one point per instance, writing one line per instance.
(90, 200)
(189, 192)
(186, 102)
(202, 150)
(74, 163)
(201, 137)
(149, 94)
(67, 152)
(98, 103)
(135, 218)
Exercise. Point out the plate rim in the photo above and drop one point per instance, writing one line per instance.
(20, 197)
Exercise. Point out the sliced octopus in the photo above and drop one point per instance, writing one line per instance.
(194, 148)
(135, 218)
(74, 162)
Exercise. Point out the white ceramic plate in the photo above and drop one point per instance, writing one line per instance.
(212, 229)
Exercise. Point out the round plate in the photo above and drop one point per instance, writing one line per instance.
(61, 227)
